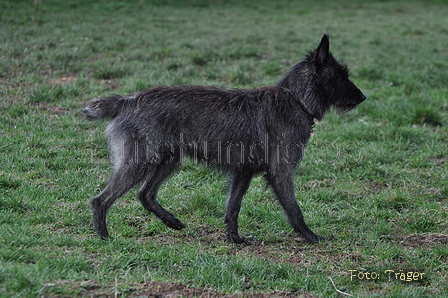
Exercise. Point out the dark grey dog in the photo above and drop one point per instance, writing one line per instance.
(241, 132)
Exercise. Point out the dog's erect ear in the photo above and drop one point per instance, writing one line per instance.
(323, 49)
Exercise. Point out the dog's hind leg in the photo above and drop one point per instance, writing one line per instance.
(240, 184)
(283, 187)
(148, 193)
(122, 180)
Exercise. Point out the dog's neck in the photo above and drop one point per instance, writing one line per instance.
(307, 112)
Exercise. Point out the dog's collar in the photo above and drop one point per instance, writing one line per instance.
(300, 104)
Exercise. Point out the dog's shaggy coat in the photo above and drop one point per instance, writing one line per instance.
(241, 132)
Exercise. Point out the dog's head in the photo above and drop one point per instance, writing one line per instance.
(332, 79)
(321, 82)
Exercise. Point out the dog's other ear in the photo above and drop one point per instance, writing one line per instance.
(323, 50)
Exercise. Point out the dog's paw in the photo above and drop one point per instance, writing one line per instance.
(315, 238)
(105, 237)
(174, 223)
(238, 240)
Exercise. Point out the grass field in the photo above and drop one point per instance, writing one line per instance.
(375, 179)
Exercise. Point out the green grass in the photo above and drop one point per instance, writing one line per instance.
(376, 179)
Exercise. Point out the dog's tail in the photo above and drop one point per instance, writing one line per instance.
(104, 108)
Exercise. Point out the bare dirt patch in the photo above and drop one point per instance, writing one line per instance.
(111, 84)
(158, 289)
(153, 289)
(425, 241)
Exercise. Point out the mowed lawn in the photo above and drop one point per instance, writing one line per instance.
(375, 180)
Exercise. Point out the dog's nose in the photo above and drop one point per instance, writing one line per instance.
(363, 97)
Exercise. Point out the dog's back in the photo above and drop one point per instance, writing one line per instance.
(225, 128)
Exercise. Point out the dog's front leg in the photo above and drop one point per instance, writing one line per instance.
(283, 187)
(240, 184)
